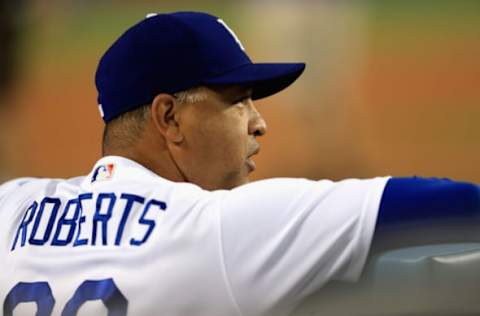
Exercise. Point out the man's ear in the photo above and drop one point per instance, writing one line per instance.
(164, 108)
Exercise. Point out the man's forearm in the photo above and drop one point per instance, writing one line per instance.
(418, 211)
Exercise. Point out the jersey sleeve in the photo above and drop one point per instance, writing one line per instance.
(284, 238)
(416, 199)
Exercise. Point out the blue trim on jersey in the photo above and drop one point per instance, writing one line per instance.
(417, 199)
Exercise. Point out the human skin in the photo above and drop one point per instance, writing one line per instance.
(209, 142)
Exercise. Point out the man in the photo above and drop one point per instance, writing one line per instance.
(166, 223)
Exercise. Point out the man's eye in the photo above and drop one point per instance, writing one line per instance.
(241, 100)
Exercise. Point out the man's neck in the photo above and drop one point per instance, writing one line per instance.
(162, 163)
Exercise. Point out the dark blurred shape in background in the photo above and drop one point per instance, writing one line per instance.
(10, 24)
(11, 20)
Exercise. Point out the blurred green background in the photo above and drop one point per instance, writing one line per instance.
(391, 87)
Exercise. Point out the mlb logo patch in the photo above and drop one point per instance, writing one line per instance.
(103, 172)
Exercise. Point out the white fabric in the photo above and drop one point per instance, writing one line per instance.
(254, 250)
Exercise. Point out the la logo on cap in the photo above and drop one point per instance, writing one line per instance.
(232, 33)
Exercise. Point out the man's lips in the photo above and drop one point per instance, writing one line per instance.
(250, 163)
(256, 151)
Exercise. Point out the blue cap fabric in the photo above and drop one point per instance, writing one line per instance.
(169, 53)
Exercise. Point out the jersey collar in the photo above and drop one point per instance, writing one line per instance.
(111, 168)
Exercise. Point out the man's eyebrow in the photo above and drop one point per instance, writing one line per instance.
(245, 93)
(237, 95)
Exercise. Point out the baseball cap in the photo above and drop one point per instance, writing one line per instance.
(173, 52)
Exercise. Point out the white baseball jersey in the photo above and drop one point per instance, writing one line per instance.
(125, 241)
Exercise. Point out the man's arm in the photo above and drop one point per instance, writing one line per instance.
(284, 238)
(418, 211)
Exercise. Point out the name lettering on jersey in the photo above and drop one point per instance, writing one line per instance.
(88, 220)
(103, 172)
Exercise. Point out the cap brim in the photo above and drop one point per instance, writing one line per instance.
(264, 78)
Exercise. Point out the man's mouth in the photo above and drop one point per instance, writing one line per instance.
(250, 163)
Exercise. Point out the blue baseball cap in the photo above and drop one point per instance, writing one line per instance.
(169, 53)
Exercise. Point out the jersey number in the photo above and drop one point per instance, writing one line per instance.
(41, 294)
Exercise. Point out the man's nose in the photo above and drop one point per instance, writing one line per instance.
(257, 125)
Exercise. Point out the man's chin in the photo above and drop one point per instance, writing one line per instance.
(228, 184)
(236, 183)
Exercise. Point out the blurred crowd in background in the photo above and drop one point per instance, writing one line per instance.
(391, 87)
